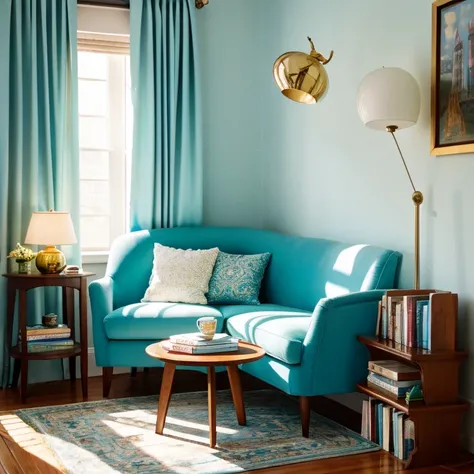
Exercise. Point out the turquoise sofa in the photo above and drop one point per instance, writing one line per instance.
(317, 296)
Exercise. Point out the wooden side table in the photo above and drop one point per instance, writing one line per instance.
(23, 283)
(247, 353)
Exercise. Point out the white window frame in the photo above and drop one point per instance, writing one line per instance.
(106, 30)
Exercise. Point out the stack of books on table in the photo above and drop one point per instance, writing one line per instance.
(194, 343)
(392, 377)
(72, 270)
(44, 339)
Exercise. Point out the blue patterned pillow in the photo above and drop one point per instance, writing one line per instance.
(237, 278)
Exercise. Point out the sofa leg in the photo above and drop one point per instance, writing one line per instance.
(133, 372)
(107, 373)
(305, 415)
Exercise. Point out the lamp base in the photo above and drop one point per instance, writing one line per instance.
(50, 260)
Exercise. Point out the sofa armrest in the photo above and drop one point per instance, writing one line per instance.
(101, 298)
(332, 354)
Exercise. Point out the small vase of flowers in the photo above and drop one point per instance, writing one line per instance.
(23, 256)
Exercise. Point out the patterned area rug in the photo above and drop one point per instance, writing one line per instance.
(118, 436)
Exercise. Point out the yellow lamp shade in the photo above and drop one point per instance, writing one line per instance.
(302, 77)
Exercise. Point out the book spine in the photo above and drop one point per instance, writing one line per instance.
(391, 318)
(48, 348)
(378, 331)
(410, 317)
(43, 332)
(419, 324)
(424, 344)
(47, 337)
(57, 342)
(398, 391)
(395, 432)
(398, 323)
(395, 383)
(364, 431)
(216, 348)
(376, 369)
(201, 350)
(384, 317)
(194, 343)
(409, 439)
(429, 325)
(380, 424)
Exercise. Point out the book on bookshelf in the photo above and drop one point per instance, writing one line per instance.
(408, 317)
(376, 382)
(196, 339)
(209, 349)
(394, 370)
(392, 429)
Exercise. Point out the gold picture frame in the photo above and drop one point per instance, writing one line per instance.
(452, 77)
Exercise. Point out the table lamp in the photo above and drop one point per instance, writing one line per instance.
(389, 99)
(50, 229)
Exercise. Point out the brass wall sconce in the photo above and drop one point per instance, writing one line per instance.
(201, 3)
(302, 77)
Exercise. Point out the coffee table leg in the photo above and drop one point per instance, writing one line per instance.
(211, 398)
(237, 395)
(165, 395)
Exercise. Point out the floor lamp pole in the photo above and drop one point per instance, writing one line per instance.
(417, 198)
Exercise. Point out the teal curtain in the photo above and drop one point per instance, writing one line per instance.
(39, 162)
(166, 182)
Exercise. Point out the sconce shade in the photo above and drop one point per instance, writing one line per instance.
(389, 97)
(302, 77)
(51, 228)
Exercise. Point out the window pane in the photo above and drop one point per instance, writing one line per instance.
(94, 164)
(92, 98)
(94, 198)
(95, 232)
(92, 65)
(93, 132)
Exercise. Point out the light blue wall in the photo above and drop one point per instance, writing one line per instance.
(232, 81)
(322, 173)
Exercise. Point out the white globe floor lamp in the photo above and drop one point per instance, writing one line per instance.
(389, 99)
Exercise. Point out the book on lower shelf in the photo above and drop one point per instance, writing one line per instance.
(388, 427)
(48, 346)
(38, 332)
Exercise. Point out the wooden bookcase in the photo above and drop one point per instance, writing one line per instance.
(437, 418)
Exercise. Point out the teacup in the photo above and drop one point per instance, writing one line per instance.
(207, 327)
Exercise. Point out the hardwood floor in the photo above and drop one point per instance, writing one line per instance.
(21, 453)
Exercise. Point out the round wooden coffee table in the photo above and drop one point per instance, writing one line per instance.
(246, 353)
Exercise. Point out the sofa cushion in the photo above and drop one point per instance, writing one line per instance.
(152, 321)
(237, 278)
(180, 276)
(280, 332)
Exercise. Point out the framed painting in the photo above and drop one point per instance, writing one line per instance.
(452, 70)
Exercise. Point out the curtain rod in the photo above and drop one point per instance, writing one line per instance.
(125, 4)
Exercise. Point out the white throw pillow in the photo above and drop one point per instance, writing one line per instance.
(180, 276)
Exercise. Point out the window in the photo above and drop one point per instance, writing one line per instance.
(105, 128)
